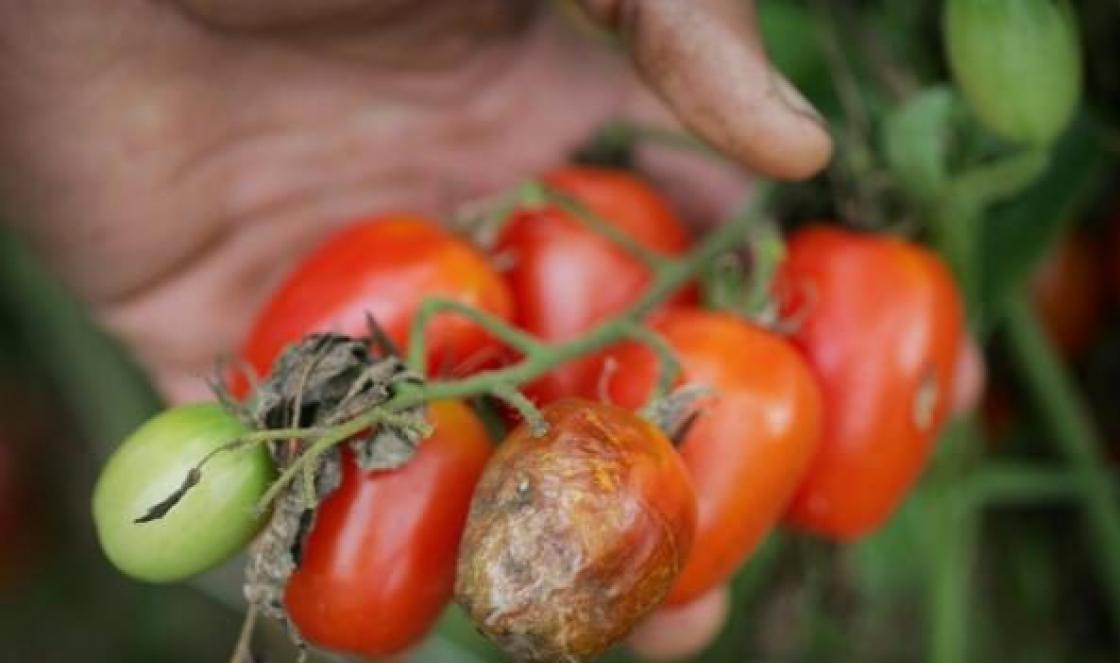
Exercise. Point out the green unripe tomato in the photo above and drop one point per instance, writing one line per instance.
(1018, 63)
(214, 519)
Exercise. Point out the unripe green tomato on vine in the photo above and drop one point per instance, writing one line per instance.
(1018, 63)
(210, 523)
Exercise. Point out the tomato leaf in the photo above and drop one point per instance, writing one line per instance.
(1015, 234)
(161, 508)
(915, 139)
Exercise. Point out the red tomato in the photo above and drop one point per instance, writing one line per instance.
(752, 442)
(379, 564)
(880, 321)
(1067, 293)
(566, 278)
(386, 267)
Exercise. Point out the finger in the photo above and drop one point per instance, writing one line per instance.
(704, 187)
(680, 632)
(706, 59)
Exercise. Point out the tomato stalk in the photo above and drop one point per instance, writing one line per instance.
(957, 519)
(669, 275)
(537, 192)
(334, 435)
(1073, 435)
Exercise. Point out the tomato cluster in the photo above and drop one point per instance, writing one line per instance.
(562, 542)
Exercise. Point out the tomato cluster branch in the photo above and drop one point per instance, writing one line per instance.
(537, 193)
(540, 358)
(670, 368)
(669, 275)
(332, 436)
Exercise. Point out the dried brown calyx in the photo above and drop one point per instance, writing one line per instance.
(322, 381)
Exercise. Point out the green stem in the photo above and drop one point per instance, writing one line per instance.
(334, 436)
(669, 367)
(767, 252)
(957, 220)
(417, 346)
(667, 280)
(600, 226)
(953, 579)
(518, 401)
(1073, 434)
(956, 522)
(1019, 483)
(539, 358)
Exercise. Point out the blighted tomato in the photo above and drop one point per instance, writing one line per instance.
(566, 278)
(880, 321)
(752, 441)
(1018, 63)
(385, 267)
(212, 521)
(378, 566)
(575, 535)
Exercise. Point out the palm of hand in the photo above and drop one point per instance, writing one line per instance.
(171, 170)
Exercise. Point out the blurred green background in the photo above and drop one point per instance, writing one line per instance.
(1007, 550)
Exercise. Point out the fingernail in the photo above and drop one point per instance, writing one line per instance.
(792, 98)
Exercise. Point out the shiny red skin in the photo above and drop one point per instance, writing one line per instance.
(385, 266)
(566, 278)
(880, 321)
(754, 438)
(378, 567)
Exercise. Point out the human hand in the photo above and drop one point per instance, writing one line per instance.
(171, 160)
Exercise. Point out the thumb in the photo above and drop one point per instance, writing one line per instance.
(706, 60)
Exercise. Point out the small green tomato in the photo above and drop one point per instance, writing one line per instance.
(213, 520)
(1018, 64)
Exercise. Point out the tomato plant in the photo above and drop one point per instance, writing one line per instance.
(211, 522)
(566, 277)
(880, 322)
(752, 441)
(379, 563)
(575, 535)
(385, 267)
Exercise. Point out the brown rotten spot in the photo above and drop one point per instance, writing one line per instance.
(575, 535)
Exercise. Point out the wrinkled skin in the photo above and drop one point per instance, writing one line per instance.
(171, 160)
(576, 535)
